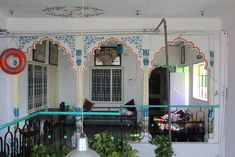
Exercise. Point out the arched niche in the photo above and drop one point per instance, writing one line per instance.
(178, 54)
(131, 69)
(127, 50)
(61, 46)
(61, 78)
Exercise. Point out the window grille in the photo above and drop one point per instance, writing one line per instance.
(107, 85)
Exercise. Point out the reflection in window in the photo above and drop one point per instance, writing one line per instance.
(200, 81)
(185, 70)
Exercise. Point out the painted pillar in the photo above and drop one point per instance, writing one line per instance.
(145, 133)
(80, 72)
(145, 55)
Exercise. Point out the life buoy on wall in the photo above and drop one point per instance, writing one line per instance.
(11, 69)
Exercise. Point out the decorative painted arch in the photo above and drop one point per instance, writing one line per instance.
(67, 43)
(105, 42)
(199, 52)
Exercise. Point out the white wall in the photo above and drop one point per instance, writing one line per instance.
(180, 149)
(6, 111)
(73, 24)
(229, 25)
(67, 81)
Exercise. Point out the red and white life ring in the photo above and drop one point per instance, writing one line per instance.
(16, 53)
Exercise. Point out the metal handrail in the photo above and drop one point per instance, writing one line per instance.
(117, 113)
(57, 113)
(169, 106)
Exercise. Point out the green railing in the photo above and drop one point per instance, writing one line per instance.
(171, 106)
(57, 113)
(102, 113)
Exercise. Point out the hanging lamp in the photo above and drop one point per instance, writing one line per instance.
(82, 149)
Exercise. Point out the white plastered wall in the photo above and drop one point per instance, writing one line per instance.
(205, 25)
(228, 24)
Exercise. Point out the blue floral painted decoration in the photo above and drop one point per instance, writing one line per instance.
(212, 58)
(146, 61)
(145, 52)
(78, 61)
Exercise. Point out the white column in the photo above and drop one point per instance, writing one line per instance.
(15, 82)
(79, 87)
(146, 86)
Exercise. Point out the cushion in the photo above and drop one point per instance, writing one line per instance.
(131, 102)
(87, 105)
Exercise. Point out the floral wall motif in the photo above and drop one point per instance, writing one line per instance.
(26, 40)
(68, 40)
(131, 42)
(135, 41)
(69, 43)
(89, 41)
(146, 57)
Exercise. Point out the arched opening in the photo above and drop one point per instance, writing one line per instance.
(50, 76)
(189, 72)
(189, 85)
(111, 75)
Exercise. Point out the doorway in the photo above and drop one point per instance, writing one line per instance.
(157, 95)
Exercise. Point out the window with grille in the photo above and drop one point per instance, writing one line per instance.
(106, 85)
(200, 81)
(37, 87)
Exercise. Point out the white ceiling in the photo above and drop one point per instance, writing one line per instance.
(124, 8)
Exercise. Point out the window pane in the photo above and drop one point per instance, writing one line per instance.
(37, 86)
(101, 84)
(30, 87)
(45, 85)
(116, 85)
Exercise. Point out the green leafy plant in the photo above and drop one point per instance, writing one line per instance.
(108, 146)
(43, 151)
(39, 151)
(164, 148)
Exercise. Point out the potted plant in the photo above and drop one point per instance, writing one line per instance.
(43, 151)
(108, 146)
(163, 147)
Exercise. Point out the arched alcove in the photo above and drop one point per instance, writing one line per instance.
(61, 46)
(177, 42)
(58, 80)
(113, 42)
(130, 76)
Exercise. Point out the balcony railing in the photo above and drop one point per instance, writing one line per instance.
(187, 123)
